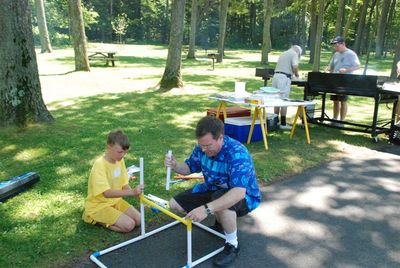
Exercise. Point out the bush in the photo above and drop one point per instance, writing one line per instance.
(59, 39)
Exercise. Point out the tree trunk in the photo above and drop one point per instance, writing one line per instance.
(21, 99)
(392, 14)
(339, 18)
(253, 23)
(371, 31)
(381, 30)
(139, 16)
(361, 27)
(266, 45)
(313, 29)
(77, 29)
(396, 59)
(193, 26)
(223, 14)
(350, 19)
(318, 37)
(172, 73)
(166, 26)
(111, 19)
(302, 30)
(42, 24)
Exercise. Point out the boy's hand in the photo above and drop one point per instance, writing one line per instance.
(138, 190)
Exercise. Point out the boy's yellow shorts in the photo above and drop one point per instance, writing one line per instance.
(109, 215)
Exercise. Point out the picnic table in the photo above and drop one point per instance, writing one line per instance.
(213, 57)
(107, 56)
(260, 113)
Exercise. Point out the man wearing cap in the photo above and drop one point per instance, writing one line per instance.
(287, 65)
(344, 61)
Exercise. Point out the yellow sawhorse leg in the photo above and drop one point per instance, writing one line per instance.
(221, 106)
(303, 111)
(260, 115)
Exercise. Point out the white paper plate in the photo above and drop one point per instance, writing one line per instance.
(269, 89)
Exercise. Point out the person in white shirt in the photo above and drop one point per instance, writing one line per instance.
(286, 67)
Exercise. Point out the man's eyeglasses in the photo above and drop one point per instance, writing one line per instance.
(205, 147)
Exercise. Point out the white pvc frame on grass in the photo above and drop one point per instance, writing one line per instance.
(178, 219)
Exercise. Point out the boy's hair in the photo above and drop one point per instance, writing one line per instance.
(209, 124)
(118, 136)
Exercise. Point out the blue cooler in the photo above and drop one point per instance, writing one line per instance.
(238, 128)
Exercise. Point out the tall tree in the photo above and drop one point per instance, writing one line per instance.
(381, 30)
(302, 29)
(313, 29)
(21, 99)
(166, 24)
(78, 35)
(253, 22)
(339, 17)
(350, 19)
(361, 27)
(172, 73)
(42, 24)
(223, 14)
(318, 36)
(393, 73)
(193, 26)
(266, 44)
(370, 32)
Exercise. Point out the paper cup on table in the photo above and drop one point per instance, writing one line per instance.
(240, 87)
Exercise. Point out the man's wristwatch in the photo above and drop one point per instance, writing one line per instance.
(208, 210)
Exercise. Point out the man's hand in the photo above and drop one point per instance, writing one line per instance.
(198, 214)
(170, 161)
(181, 168)
(343, 70)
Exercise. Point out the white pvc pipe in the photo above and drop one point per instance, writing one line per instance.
(94, 256)
(206, 257)
(142, 221)
(144, 235)
(189, 248)
(168, 172)
(96, 261)
(162, 228)
(208, 229)
(104, 251)
(141, 166)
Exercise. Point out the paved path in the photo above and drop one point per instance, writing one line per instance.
(341, 214)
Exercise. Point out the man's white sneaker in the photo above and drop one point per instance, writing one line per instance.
(285, 127)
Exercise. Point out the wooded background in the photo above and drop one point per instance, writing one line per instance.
(367, 24)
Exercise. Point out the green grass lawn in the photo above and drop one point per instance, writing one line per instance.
(42, 227)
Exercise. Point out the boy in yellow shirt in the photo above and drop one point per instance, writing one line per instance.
(108, 183)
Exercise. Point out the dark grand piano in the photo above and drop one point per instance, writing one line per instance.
(321, 84)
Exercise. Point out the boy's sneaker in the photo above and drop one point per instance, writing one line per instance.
(285, 127)
(227, 256)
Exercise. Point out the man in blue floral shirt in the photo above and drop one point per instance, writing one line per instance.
(230, 188)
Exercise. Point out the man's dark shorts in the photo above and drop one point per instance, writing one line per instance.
(189, 201)
(339, 97)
